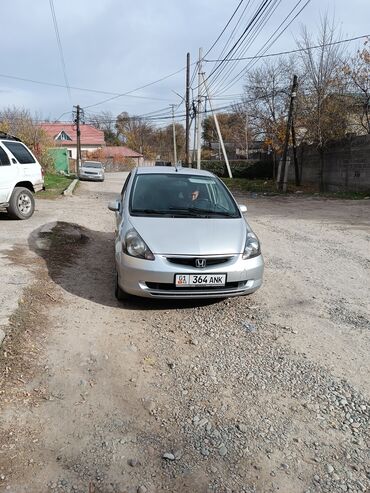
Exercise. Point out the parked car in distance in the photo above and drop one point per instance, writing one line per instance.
(181, 235)
(91, 170)
(21, 176)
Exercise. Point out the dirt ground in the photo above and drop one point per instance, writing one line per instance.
(266, 393)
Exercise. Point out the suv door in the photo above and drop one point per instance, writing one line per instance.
(8, 175)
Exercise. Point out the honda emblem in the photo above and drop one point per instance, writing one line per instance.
(200, 263)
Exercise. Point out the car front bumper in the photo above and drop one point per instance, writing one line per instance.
(156, 278)
(82, 176)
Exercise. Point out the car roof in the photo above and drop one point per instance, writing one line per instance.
(167, 170)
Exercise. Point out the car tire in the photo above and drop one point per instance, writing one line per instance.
(21, 203)
(120, 294)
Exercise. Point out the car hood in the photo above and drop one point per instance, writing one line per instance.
(192, 236)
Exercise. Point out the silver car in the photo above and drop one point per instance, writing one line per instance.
(181, 234)
(91, 170)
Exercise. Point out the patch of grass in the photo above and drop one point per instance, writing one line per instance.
(268, 187)
(54, 185)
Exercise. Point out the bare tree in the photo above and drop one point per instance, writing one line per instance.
(266, 101)
(323, 103)
(357, 69)
(19, 122)
(107, 122)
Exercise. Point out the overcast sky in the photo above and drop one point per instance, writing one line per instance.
(117, 46)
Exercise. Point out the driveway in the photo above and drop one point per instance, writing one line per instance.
(257, 394)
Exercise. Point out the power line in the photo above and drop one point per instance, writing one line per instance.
(267, 45)
(52, 84)
(254, 33)
(232, 34)
(257, 14)
(59, 42)
(137, 89)
(257, 57)
(224, 29)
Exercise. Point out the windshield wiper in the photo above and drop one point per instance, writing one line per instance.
(149, 211)
(189, 211)
(204, 212)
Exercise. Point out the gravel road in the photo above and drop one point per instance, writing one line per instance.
(267, 393)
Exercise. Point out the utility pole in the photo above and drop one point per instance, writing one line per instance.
(174, 134)
(187, 107)
(77, 122)
(218, 130)
(295, 159)
(246, 136)
(199, 112)
(283, 171)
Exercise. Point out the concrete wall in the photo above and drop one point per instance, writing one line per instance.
(347, 164)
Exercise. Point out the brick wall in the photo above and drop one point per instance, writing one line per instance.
(347, 164)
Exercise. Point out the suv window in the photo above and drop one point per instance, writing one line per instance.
(20, 152)
(4, 159)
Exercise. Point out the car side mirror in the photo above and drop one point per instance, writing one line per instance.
(114, 205)
(243, 208)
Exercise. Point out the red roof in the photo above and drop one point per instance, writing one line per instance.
(89, 134)
(120, 151)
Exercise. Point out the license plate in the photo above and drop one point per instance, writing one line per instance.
(194, 280)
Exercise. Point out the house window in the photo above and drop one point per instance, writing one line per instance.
(63, 136)
(69, 153)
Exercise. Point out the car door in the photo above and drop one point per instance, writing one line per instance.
(8, 175)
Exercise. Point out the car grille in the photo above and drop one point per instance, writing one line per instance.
(190, 261)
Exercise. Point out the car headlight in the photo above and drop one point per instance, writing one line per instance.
(135, 246)
(252, 246)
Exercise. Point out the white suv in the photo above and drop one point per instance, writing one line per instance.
(20, 176)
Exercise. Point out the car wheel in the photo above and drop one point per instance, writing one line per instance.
(21, 203)
(120, 294)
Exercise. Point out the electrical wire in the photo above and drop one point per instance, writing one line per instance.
(60, 48)
(254, 33)
(258, 57)
(267, 45)
(224, 29)
(232, 34)
(256, 15)
(84, 89)
(136, 89)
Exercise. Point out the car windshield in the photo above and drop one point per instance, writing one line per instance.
(92, 165)
(181, 195)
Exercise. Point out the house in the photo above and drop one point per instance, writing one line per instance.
(117, 158)
(65, 136)
(122, 153)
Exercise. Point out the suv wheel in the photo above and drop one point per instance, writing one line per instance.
(21, 204)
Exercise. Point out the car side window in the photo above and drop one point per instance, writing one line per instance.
(4, 159)
(20, 152)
